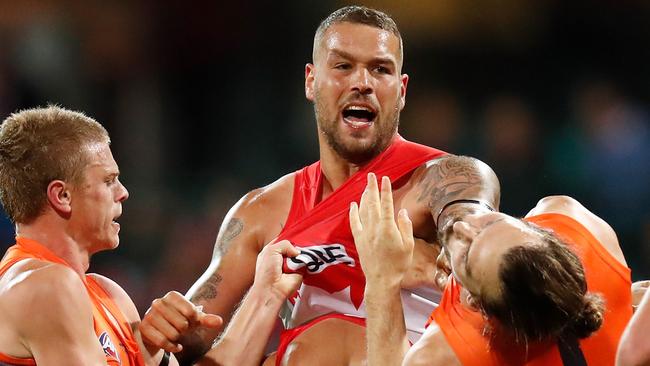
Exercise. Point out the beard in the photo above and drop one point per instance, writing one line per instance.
(357, 152)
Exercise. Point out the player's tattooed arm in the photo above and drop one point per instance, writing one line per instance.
(198, 340)
(206, 288)
(452, 184)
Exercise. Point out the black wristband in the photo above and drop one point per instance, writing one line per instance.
(165, 359)
(450, 203)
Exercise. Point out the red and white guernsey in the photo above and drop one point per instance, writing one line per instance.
(333, 281)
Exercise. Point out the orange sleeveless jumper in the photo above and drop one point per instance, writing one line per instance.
(117, 340)
(463, 328)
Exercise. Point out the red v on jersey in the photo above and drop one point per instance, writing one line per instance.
(328, 257)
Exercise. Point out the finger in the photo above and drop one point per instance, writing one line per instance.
(369, 205)
(172, 326)
(405, 227)
(174, 302)
(355, 222)
(151, 336)
(210, 321)
(293, 282)
(386, 202)
(178, 314)
(285, 248)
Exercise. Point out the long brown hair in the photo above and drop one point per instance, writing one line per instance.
(543, 293)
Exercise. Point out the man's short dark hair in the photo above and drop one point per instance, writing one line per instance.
(357, 14)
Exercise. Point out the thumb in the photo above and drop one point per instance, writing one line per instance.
(291, 283)
(405, 227)
(210, 320)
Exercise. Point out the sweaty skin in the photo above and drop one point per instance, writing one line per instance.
(355, 67)
(47, 312)
(378, 238)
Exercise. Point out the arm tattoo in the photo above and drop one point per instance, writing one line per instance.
(208, 289)
(457, 178)
(197, 342)
(233, 229)
(446, 181)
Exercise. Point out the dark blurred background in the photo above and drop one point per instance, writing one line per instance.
(204, 101)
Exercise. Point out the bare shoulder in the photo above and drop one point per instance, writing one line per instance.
(32, 295)
(569, 206)
(46, 294)
(263, 210)
(432, 349)
(119, 296)
(52, 317)
(269, 196)
(32, 281)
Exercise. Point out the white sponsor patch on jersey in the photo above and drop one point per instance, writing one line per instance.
(318, 257)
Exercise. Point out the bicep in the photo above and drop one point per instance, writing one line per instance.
(232, 268)
(454, 178)
(58, 327)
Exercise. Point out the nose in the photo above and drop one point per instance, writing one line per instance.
(362, 82)
(123, 193)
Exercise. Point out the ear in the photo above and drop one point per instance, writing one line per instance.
(472, 302)
(464, 229)
(59, 196)
(404, 83)
(310, 69)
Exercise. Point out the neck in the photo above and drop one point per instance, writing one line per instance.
(51, 235)
(336, 169)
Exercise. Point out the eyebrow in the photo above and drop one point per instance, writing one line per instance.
(375, 60)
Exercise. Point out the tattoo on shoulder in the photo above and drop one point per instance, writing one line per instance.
(233, 229)
(208, 290)
(448, 179)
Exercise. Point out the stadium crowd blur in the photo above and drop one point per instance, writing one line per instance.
(205, 102)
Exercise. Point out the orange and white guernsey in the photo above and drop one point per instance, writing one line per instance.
(463, 328)
(113, 332)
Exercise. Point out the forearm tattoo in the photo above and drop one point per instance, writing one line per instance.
(208, 290)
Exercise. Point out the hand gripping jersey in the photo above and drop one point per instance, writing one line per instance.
(333, 281)
(113, 332)
(463, 328)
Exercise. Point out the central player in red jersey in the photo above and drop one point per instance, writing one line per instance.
(358, 90)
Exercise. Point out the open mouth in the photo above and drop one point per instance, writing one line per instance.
(358, 116)
(114, 222)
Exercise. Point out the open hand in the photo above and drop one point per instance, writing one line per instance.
(384, 247)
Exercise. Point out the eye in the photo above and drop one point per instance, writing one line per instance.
(383, 70)
(342, 66)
